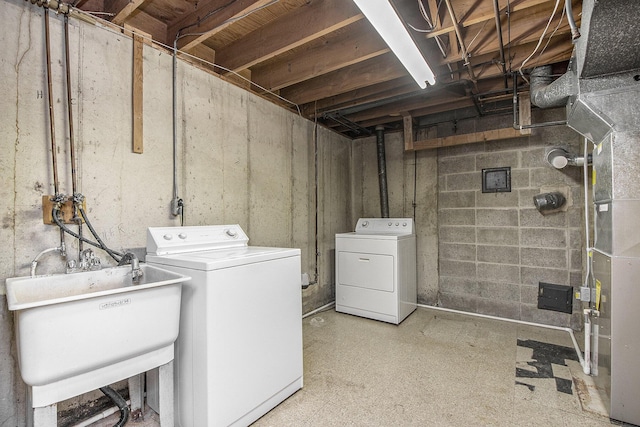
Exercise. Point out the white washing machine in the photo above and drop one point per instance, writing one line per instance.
(239, 350)
(376, 269)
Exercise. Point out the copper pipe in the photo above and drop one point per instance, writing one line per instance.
(456, 26)
(72, 154)
(56, 184)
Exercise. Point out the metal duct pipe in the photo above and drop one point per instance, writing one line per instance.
(559, 158)
(382, 172)
(547, 93)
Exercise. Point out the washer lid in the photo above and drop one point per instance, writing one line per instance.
(222, 258)
(385, 226)
(174, 240)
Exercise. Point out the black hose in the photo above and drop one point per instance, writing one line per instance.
(67, 230)
(120, 402)
(113, 254)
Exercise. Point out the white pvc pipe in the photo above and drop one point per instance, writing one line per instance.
(318, 310)
(521, 322)
(586, 367)
(594, 358)
(101, 416)
(585, 176)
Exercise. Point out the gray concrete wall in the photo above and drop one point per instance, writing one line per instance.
(405, 172)
(494, 248)
(241, 159)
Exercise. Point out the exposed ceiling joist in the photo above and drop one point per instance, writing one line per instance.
(324, 57)
(204, 22)
(301, 26)
(122, 9)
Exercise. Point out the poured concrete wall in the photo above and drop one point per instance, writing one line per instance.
(241, 160)
(406, 172)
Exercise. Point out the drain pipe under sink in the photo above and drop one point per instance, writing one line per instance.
(120, 402)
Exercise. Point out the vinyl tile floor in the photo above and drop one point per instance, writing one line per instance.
(434, 369)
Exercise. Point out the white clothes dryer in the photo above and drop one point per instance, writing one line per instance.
(239, 350)
(376, 269)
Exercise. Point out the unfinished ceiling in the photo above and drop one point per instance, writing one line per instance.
(323, 58)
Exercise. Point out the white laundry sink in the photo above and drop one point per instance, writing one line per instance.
(79, 331)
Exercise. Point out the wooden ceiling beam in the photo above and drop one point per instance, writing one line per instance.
(525, 28)
(376, 70)
(122, 9)
(147, 24)
(296, 28)
(429, 97)
(208, 20)
(398, 119)
(408, 106)
(483, 12)
(361, 96)
(354, 46)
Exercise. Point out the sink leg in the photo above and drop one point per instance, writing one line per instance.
(136, 394)
(45, 416)
(165, 384)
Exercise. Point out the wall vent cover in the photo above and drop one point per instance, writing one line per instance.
(555, 297)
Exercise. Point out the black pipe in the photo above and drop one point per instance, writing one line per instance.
(382, 172)
(496, 10)
(54, 214)
(120, 402)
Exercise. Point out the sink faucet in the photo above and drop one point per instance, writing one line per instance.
(136, 271)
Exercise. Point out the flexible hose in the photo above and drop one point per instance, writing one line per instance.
(113, 254)
(120, 402)
(67, 230)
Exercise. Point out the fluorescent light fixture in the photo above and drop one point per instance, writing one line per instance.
(387, 22)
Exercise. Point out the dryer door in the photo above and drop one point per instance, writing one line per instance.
(370, 271)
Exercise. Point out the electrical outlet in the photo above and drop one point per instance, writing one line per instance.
(66, 211)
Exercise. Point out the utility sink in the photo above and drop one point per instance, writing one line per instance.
(78, 332)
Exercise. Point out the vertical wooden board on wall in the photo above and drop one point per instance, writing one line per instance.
(407, 122)
(525, 113)
(138, 45)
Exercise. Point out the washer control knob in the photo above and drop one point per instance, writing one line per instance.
(182, 236)
(404, 224)
(397, 224)
(390, 224)
(231, 233)
(168, 236)
(365, 223)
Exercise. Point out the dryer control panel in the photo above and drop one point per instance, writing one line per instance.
(399, 226)
(174, 240)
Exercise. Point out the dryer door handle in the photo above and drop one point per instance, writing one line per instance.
(364, 259)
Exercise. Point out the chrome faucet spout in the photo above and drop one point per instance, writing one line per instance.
(136, 271)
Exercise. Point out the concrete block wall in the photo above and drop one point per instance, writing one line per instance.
(494, 248)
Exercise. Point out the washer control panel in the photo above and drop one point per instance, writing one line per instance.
(170, 240)
(385, 226)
